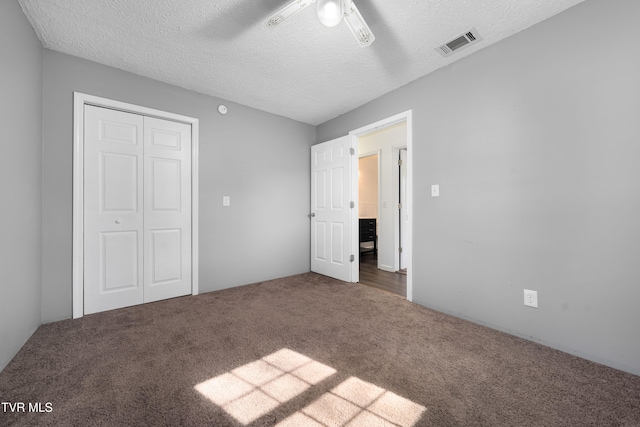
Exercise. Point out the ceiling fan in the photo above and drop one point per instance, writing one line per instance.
(330, 13)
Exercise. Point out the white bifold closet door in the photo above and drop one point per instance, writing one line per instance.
(137, 209)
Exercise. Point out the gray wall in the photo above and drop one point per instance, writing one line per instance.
(20, 180)
(535, 142)
(259, 159)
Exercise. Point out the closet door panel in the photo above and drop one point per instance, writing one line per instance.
(113, 209)
(137, 209)
(167, 215)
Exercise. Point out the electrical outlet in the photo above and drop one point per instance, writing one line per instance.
(531, 298)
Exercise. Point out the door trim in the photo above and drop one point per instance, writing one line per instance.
(355, 134)
(79, 101)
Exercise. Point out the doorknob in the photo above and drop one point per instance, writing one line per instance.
(311, 215)
(117, 221)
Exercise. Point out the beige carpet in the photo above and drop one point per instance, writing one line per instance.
(303, 350)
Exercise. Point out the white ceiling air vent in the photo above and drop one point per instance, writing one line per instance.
(459, 42)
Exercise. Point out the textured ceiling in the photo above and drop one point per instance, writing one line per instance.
(299, 69)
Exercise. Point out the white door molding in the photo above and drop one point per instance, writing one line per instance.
(381, 124)
(79, 101)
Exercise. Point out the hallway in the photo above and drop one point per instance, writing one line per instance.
(370, 275)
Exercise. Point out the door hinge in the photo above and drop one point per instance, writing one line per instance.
(400, 249)
(352, 258)
(352, 204)
(399, 205)
(352, 151)
(399, 162)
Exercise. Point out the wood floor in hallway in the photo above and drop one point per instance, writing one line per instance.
(371, 275)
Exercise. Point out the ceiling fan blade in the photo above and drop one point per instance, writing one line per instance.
(291, 9)
(357, 24)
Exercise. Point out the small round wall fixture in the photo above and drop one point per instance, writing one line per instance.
(222, 109)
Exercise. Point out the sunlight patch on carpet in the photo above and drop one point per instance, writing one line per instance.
(255, 389)
(355, 403)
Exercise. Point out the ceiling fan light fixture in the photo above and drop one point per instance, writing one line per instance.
(330, 12)
(287, 11)
(358, 26)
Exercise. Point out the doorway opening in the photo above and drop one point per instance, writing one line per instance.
(384, 158)
(368, 196)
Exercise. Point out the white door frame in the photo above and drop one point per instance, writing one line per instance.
(355, 134)
(79, 101)
(400, 232)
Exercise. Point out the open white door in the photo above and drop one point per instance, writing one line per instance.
(331, 209)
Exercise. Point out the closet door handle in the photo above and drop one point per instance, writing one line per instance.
(117, 221)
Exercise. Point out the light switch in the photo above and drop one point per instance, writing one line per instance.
(435, 190)
(226, 201)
